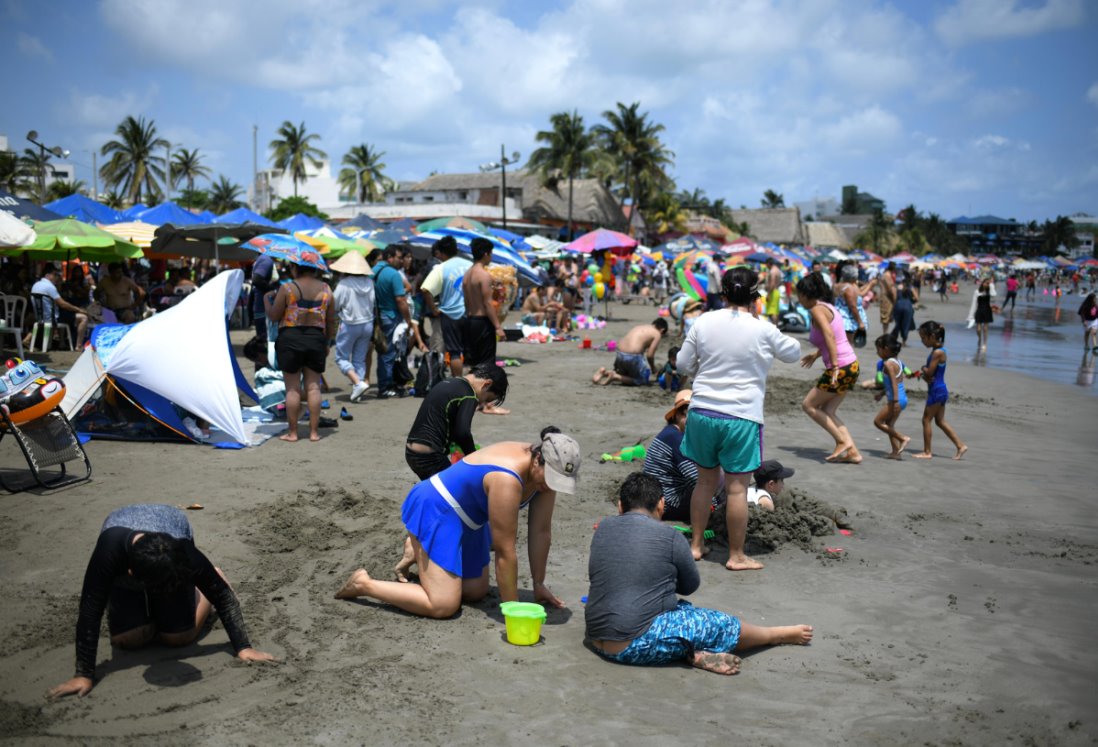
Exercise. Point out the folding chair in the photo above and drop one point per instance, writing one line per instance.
(48, 327)
(48, 441)
(13, 308)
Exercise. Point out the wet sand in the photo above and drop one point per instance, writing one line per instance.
(958, 611)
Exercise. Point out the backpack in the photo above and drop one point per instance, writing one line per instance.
(428, 373)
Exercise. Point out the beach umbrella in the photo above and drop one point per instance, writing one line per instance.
(502, 254)
(362, 221)
(331, 243)
(84, 208)
(300, 222)
(287, 249)
(691, 258)
(65, 239)
(215, 241)
(686, 243)
(14, 232)
(456, 221)
(404, 224)
(602, 239)
(244, 215)
(25, 209)
(389, 236)
(135, 232)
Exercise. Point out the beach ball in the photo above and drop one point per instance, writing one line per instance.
(600, 289)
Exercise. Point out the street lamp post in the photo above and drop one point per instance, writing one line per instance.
(57, 150)
(502, 165)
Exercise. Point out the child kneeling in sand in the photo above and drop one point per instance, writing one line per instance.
(638, 566)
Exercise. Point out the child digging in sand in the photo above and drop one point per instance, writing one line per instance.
(638, 566)
(933, 336)
(892, 389)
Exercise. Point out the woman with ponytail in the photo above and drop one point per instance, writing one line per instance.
(459, 515)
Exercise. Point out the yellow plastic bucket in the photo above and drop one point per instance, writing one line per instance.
(524, 621)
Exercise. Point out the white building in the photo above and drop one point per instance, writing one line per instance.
(818, 207)
(319, 188)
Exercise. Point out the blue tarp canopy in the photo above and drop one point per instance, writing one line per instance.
(244, 215)
(364, 222)
(300, 222)
(133, 212)
(169, 212)
(21, 208)
(67, 207)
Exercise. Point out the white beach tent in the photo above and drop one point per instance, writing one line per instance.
(180, 357)
(14, 232)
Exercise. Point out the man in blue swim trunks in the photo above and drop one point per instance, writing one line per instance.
(636, 358)
(637, 568)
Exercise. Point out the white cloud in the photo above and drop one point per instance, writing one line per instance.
(1092, 94)
(99, 110)
(979, 20)
(32, 46)
(862, 131)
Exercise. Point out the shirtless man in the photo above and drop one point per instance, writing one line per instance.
(774, 281)
(636, 358)
(482, 327)
(544, 304)
(119, 293)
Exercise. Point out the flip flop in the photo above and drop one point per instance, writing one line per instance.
(344, 415)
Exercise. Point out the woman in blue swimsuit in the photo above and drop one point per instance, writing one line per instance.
(460, 514)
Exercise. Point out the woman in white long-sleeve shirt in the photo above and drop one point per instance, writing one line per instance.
(729, 353)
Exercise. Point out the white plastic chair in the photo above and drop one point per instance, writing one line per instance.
(48, 327)
(13, 309)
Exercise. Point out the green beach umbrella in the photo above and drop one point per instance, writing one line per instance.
(65, 239)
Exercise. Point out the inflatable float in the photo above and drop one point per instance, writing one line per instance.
(27, 393)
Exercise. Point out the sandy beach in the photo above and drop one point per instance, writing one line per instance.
(958, 612)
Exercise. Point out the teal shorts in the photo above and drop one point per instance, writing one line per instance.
(733, 444)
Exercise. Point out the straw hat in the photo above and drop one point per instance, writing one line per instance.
(352, 263)
(682, 399)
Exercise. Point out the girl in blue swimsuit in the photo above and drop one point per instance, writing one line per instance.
(459, 515)
(891, 371)
(933, 336)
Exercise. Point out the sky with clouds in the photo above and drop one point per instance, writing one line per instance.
(958, 106)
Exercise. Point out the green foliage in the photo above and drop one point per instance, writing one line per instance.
(290, 206)
(772, 199)
(365, 173)
(15, 174)
(567, 152)
(641, 159)
(113, 200)
(1058, 233)
(61, 188)
(187, 165)
(196, 199)
(666, 214)
(293, 148)
(225, 196)
(878, 235)
(133, 165)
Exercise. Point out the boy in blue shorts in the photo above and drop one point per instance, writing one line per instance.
(637, 568)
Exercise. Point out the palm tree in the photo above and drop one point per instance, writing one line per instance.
(877, 234)
(666, 214)
(113, 200)
(187, 164)
(15, 176)
(61, 188)
(134, 166)
(1058, 233)
(696, 200)
(364, 177)
(224, 196)
(567, 153)
(195, 199)
(772, 199)
(36, 165)
(634, 144)
(293, 149)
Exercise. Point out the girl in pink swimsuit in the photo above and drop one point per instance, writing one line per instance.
(840, 367)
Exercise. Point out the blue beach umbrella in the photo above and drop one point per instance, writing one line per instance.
(502, 254)
(286, 248)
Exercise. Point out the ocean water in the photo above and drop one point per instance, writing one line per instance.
(1036, 339)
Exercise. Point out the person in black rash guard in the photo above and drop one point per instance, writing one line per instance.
(146, 573)
(444, 418)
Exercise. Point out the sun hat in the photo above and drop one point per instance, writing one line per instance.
(352, 263)
(682, 399)
(562, 462)
(769, 470)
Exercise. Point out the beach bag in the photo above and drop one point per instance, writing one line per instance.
(428, 373)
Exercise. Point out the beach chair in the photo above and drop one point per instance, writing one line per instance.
(11, 323)
(48, 441)
(48, 328)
